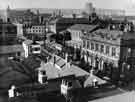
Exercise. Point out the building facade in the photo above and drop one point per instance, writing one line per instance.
(31, 47)
(11, 51)
(106, 50)
(101, 48)
(8, 33)
(38, 29)
(19, 16)
(76, 31)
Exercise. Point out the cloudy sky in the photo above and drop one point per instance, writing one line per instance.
(128, 5)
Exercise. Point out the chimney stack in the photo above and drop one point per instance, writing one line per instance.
(74, 16)
(66, 57)
(91, 72)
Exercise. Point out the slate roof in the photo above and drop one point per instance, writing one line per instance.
(125, 97)
(61, 68)
(84, 27)
(90, 80)
(51, 86)
(129, 36)
(51, 70)
(70, 21)
(110, 32)
(106, 35)
(11, 72)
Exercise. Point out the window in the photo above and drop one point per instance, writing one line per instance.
(69, 84)
(102, 49)
(113, 51)
(97, 47)
(79, 34)
(84, 44)
(36, 49)
(92, 46)
(107, 50)
(129, 52)
(88, 45)
(43, 72)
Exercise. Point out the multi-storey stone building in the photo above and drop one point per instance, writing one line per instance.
(8, 33)
(76, 31)
(107, 50)
(36, 29)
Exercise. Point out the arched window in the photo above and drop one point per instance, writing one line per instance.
(129, 52)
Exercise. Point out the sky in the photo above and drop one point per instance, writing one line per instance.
(127, 5)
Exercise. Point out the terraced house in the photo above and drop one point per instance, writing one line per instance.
(107, 50)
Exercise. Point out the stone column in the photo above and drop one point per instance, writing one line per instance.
(94, 62)
(99, 65)
(90, 60)
(102, 64)
(85, 57)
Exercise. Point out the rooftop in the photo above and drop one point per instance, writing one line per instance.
(129, 36)
(45, 15)
(11, 72)
(125, 97)
(83, 27)
(106, 35)
(28, 42)
(61, 68)
(70, 20)
(21, 13)
(90, 79)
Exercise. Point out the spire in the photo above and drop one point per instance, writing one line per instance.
(38, 12)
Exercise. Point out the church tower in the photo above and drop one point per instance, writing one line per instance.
(7, 14)
(89, 8)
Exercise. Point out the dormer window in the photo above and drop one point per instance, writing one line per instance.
(69, 84)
